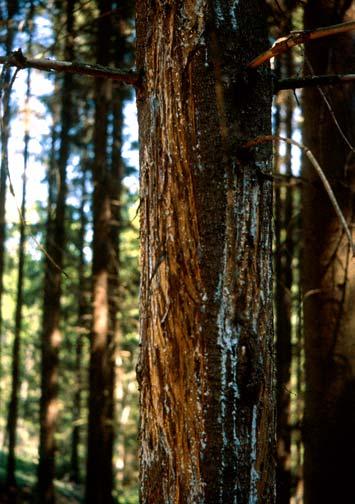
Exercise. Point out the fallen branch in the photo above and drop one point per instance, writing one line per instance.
(295, 38)
(319, 171)
(315, 80)
(19, 60)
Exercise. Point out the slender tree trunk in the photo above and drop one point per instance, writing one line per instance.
(206, 364)
(328, 270)
(13, 406)
(6, 75)
(106, 176)
(81, 332)
(55, 244)
(283, 301)
(99, 471)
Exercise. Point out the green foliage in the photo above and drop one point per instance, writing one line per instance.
(46, 23)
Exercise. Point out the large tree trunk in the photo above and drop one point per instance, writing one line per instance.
(206, 363)
(328, 271)
(55, 244)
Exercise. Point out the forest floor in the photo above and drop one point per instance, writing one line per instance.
(66, 491)
(26, 471)
(24, 495)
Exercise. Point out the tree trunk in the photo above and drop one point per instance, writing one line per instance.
(328, 270)
(55, 244)
(83, 307)
(106, 209)
(283, 304)
(13, 405)
(6, 74)
(206, 364)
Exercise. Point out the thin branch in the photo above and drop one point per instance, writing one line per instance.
(295, 38)
(330, 108)
(17, 59)
(319, 171)
(315, 80)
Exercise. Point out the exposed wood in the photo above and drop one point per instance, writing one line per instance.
(284, 44)
(206, 362)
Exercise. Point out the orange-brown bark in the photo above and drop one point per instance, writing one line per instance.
(205, 369)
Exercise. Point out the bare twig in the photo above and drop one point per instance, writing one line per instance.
(295, 38)
(330, 108)
(20, 61)
(320, 173)
(314, 80)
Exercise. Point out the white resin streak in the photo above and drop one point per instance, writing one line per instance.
(254, 475)
(227, 341)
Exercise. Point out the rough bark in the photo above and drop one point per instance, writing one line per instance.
(328, 271)
(55, 245)
(206, 362)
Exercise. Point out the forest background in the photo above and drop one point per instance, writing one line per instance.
(69, 253)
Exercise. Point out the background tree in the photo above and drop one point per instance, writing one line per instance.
(49, 35)
(8, 12)
(107, 176)
(328, 267)
(284, 204)
(83, 309)
(55, 246)
(13, 405)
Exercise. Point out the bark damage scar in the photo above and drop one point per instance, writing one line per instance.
(171, 353)
(206, 309)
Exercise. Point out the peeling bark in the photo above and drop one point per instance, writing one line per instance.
(206, 362)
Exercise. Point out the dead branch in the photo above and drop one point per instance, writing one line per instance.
(319, 171)
(295, 38)
(314, 80)
(19, 60)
